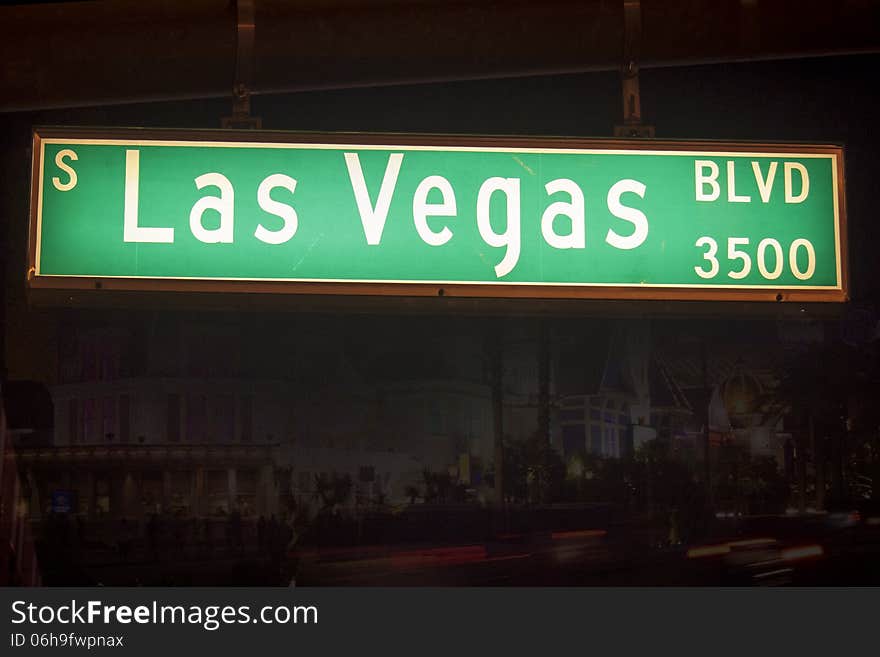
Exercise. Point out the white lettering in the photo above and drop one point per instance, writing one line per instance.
(574, 210)
(802, 274)
(66, 168)
(131, 232)
(287, 213)
(373, 218)
(224, 204)
(422, 209)
(510, 238)
(636, 217)
(702, 180)
(732, 196)
(16, 608)
(788, 167)
(765, 185)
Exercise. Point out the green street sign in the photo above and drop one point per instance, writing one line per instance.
(428, 215)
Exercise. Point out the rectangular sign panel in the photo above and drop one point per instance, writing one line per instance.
(428, 215)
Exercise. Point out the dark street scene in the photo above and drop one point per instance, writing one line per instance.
(166, 435)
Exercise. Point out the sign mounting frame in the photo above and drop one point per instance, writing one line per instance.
(453, 289)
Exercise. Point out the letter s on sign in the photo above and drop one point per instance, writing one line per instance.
(282, 210)
(66, 168)
(636, 217)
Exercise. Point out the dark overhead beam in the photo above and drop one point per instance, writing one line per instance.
(95, 53)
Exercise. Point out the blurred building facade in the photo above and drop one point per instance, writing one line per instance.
(201, 419)
(18, 559)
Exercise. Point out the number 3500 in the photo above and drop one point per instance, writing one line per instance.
(769, 258)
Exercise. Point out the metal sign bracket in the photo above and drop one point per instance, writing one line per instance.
(245, 34)
(629, 74)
